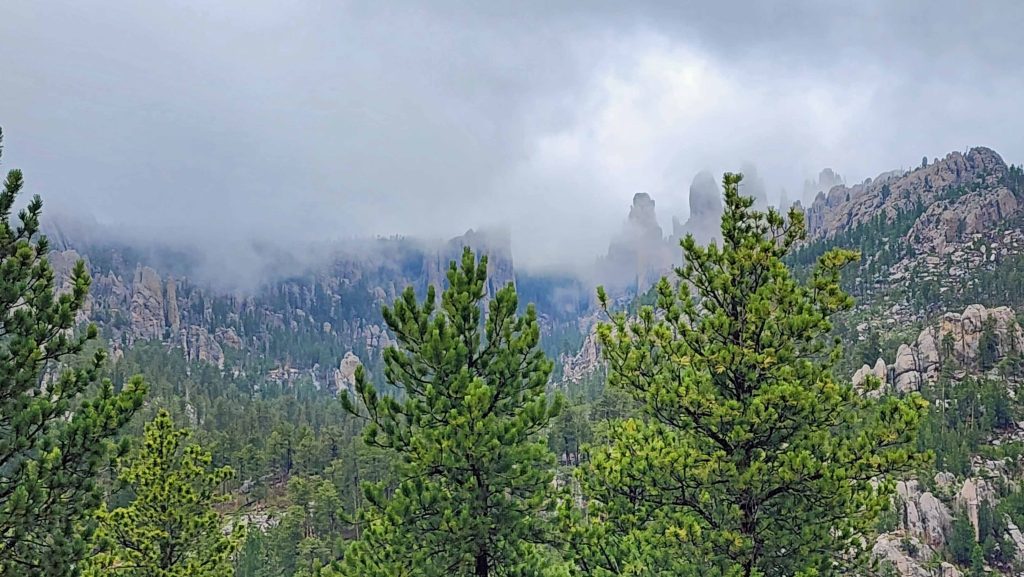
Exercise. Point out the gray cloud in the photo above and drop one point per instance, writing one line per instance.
(290, 122)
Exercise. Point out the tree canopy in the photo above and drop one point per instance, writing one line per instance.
(476, 475)
(750, 458)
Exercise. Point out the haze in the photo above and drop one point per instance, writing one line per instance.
(230, 122)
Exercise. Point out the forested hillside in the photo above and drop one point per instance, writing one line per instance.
(829, 390)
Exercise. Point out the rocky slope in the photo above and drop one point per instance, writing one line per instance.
(890, 194)
(319, 324)
(958, 338)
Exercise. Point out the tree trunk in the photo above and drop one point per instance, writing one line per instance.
(482, 565)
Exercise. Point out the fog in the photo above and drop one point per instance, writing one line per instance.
(235, 124)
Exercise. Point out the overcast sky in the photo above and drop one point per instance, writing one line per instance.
(325, 119)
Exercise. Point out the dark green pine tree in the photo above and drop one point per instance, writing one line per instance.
(750, 459)
(476, 475)
(55, 422)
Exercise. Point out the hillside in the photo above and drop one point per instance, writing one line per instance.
(937, 288)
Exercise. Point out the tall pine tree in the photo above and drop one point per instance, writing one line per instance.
(476, 476)
(170, 529)
(750, 458)
(55, 422)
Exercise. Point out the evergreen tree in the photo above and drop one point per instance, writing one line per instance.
(170, 529)
(962, 541)
(55, 422)
(750, 458)
(475, 473)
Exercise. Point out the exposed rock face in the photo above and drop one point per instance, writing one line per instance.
(583, 364)
(971, 496)
(753, 185)
(944, 479)
(905, 369)
(172, 314)
(228, 337)
(1016, 537)
(888, 547)
(879, 372)
(639, 255)
(200, 346)
(947, 569)
(891, 194)
(147, 305)
(704, 222)
(377, 338)
(919, 362)
(947, 222)
(496, 244)
(926, 518)
(345, 374)
(827, 178)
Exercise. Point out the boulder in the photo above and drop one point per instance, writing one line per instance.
(944, 479)
(905, 370)
(887, 547)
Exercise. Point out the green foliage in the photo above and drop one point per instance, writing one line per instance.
(56, 421)
(749, 459)
(170, 529)
(475, 473)
(967, 414)
(962, 542)
(977, 561)
(988, 345)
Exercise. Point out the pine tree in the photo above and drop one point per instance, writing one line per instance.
(55, 422)
(475, 473)
(750, 459)
(170, 529)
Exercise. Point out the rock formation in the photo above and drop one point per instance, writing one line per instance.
(199, 345)
(345, 374)
(753, 185)
(890, 194)
(827, 178)
(947, 222)
(639, 255)
(147, 304)
(585, 363)
(920, 361)
(970, 498)
(924, 516)
(704, 222)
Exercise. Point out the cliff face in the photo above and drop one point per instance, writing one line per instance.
(332, 308)
(704, 222)
(890, 194)
(640, 253)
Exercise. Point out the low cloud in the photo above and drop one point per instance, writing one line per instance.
(234, 124)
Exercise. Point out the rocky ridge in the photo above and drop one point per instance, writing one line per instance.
(336, 306)
(957, 335)
(844, 207)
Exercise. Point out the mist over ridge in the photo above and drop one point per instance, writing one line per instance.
(240, 130)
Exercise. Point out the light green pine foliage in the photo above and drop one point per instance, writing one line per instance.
(170, 528)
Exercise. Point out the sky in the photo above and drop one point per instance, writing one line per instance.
(224, 123)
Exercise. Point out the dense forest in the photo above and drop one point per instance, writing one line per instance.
(717, 441)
